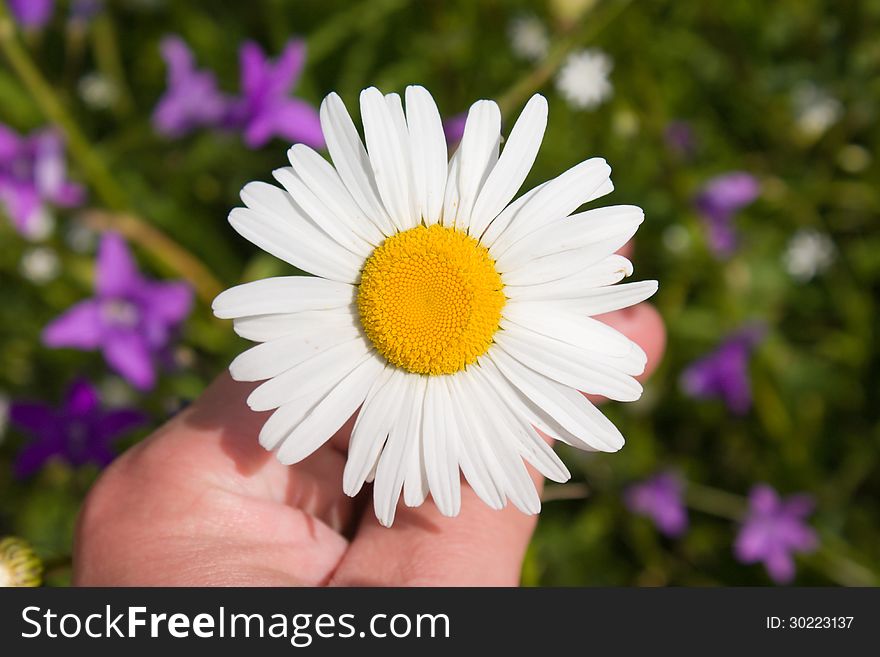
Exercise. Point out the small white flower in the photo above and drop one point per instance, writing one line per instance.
(116, 393)
(39, 265)
(97, 90)
(815, 109)
(583, 78)
(808, 253)
(457, 321)
(528, 37)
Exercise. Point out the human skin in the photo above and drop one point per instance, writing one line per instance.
(200, 503)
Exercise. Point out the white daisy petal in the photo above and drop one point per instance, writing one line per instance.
(415, 486)
(379, 413)
(427, 152)
(575, 232)
(330, 364)
(526, 409)
(275, 224)
(606, 272)
(439, 440)
(324, 218)
(351, 161)
(513, 165)
(330, 413)
(320, 176)
(494, 431)
(565, 405)
(262, 328)
(631, 362)
(614, 297)
(563, 264)
(392, 468)
(472, 458)
(575, 329)
(478, 154)
(507, 216)
(531, 446)
(271, 358)
(557, 198)
(451, 197)
(282, 294)
(388, 148)
(287, 417)
(568, 365)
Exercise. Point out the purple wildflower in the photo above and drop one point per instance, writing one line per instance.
(660, 499)
(773, 530)
(79, 432)
(266, 109)
(724, 372)
(131, 318)
(680, 138)
(33, 172)
(718, 201)
(453, 127)
(192, 99)
(32, 14)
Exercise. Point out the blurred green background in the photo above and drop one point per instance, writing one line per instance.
(743, 75)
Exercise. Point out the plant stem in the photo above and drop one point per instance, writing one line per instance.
(168, 252)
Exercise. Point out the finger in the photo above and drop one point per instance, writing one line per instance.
(200, 501)
(220, 433)
(479, 547)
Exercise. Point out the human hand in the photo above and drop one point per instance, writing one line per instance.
(200, 502)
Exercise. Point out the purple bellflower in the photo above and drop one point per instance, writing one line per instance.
(660, 499)
(773, 530)
(724, 372)
(79, 432)
(33, 173)
(718, 201)
(453, 128)
(265, 108)
(131, 318)
(32, 14)
(192, 99)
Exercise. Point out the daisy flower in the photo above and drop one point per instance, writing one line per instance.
(528, 38)
(808, 254)
(19, 564)
(457, 321)
(583, 79)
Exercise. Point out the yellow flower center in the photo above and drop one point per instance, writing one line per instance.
(430, 299)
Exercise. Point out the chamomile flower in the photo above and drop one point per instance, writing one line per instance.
(457, 321)
(19, 565)
(528, 37)
(583, 79)
(808, 253)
